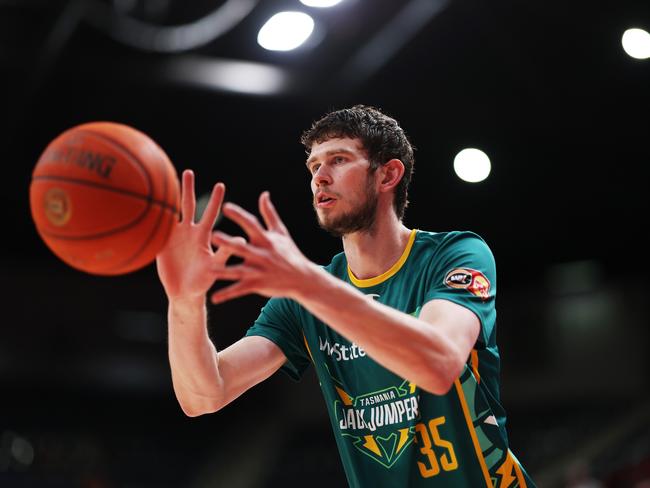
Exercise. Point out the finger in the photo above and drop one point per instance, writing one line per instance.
(237, 272)
(234, 245)
(230, 292)
(188, 203)
(246, 221)
(211, 211)
(270, 215)
(223, 253)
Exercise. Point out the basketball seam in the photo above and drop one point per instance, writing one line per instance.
(127, 151)
(80, 181)
(155, 227)
(101, 186)
(98, 235)
(147, 198)
(134, 158)
(150, 189)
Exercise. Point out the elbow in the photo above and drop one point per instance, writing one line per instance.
(195, 402)
(197, 408)
(192, 412)
(189, 412)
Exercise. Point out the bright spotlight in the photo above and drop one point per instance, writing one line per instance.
(285, 31)
(636, 43)
(472, 165)
(320, 3)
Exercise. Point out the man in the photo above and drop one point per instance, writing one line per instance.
(400, 327)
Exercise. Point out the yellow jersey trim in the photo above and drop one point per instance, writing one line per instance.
(472, 433)
(307, 346)
(474, 362)
(387, 274)
(520, 475)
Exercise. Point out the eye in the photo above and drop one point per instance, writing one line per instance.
(314, 167)
(339, 159)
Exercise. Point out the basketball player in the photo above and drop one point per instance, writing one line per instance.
(400, 327)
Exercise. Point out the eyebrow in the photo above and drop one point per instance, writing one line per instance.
(330, 153)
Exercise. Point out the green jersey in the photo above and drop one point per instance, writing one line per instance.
(389, 432)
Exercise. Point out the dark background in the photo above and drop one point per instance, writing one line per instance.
(544, 88)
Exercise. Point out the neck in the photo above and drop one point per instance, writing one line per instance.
(373, 251)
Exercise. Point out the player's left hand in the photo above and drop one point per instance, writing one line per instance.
(273, 265)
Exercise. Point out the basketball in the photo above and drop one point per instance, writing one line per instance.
(104, 197)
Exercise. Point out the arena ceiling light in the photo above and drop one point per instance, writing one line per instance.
(320, 3)
(285, 31)
(245, 77)
(636, 43)
(472, 165)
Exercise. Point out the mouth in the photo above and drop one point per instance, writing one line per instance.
(324, 200)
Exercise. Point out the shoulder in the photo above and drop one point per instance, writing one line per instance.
(451, 242)
(277, 307)
(447, 252)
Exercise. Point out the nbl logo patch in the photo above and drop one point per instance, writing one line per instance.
(469, 279)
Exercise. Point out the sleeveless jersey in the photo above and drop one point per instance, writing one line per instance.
(389, 432)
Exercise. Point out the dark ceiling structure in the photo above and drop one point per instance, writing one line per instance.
(544, 88)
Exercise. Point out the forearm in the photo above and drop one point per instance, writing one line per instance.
(193, 358)
(404, 344)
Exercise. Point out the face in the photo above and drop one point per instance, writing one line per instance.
(345, 199)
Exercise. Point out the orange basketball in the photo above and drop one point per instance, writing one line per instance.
(104, 197)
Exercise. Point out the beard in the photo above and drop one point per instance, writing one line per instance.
(358, 219)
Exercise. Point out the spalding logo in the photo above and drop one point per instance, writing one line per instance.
(469, 279)
(57, 206)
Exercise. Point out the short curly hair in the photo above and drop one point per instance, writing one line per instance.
(381, 136)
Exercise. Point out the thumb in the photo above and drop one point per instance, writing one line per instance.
(222, 254)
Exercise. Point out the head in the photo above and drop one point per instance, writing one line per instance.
(381, 141)
(345, 189)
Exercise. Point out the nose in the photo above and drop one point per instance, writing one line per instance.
(321, 177)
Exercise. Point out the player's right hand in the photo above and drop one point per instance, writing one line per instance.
(187, 262)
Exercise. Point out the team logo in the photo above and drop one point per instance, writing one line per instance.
(379, 424)
(57, 206)
(480, 286)
(469, 279)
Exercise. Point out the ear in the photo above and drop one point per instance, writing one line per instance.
(390, 174)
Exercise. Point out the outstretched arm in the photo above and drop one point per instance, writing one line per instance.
(430, 350)
(204, 380)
